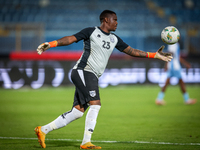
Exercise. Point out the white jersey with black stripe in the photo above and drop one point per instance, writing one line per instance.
(98, 46)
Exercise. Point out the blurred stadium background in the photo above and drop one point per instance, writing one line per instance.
(24, 24)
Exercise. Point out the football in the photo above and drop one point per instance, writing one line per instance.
(170, 35)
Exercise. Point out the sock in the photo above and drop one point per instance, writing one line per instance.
(62, 120)
(160, 96)
(186, 96)
(90, 122)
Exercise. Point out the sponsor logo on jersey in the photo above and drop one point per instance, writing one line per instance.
(98, 35)
(92, 93)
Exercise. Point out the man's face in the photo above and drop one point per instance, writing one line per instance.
(112, 22)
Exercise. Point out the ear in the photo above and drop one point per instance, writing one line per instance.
(106, 20)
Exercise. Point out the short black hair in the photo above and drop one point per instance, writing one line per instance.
(105, 14)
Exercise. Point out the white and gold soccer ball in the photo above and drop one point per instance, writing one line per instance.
(170, 35)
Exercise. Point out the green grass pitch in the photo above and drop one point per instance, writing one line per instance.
(128, 118)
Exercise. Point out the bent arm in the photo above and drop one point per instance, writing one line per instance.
(67, 40)
(185, 63)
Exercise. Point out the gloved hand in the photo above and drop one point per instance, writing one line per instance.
(43, 47)
(163, 56)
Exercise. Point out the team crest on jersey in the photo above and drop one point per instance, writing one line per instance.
(92, 93)
(112, 39)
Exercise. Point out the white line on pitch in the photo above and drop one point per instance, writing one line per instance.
(76, 140)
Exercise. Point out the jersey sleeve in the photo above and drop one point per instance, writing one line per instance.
(121, 45)
(84, 34)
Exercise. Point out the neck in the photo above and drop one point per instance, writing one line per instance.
(104, 28)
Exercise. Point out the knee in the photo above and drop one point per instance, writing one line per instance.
(95, 102)
(95, 108)
(77, 113)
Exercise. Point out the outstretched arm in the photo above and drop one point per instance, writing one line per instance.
(135, 52)
(67, 40)
(158, 55)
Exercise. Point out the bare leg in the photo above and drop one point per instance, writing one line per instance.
(182, 86)
(80, 108)
(166, 84)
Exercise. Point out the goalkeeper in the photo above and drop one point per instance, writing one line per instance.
(99, 43)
